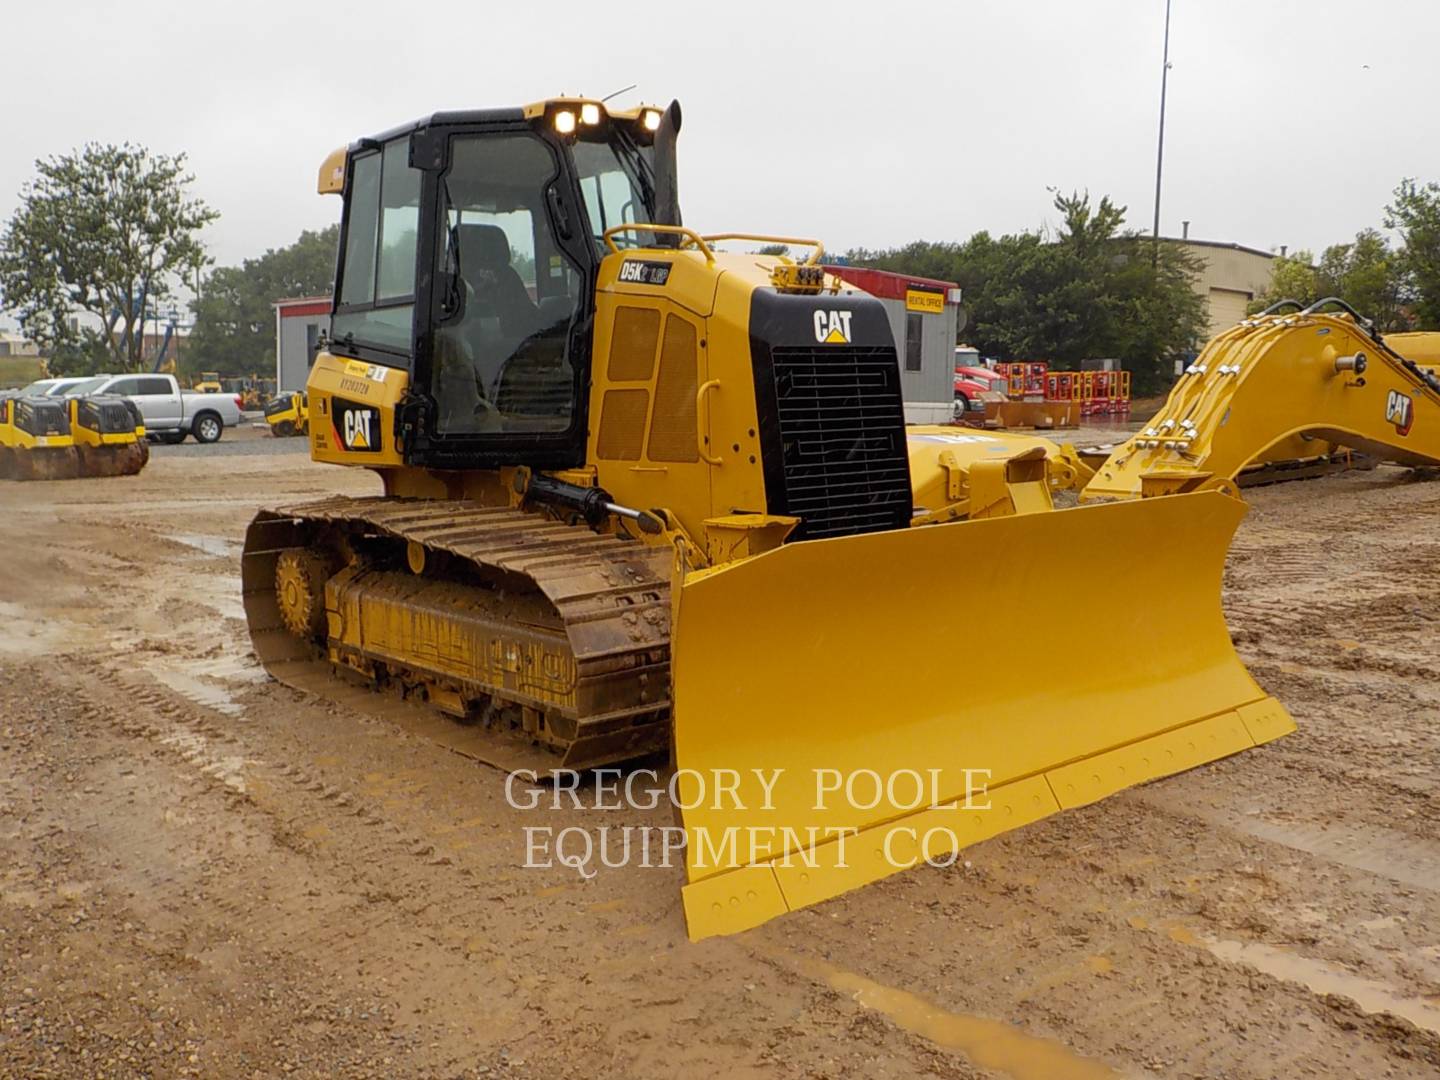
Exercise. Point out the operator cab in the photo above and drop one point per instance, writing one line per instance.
(469, 252)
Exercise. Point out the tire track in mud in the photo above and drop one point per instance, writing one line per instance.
(417, 917)
(1070, 928)
(366, 916)
(322, 864)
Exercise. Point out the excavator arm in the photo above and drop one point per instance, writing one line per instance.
(1308, 374)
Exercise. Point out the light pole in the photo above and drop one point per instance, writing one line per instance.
(1160, 148)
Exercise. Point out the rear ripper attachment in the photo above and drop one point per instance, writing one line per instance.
(548, 642)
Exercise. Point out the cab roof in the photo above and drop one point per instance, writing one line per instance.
(332, 170)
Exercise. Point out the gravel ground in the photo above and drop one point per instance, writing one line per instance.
(203, 873)
(245, 440)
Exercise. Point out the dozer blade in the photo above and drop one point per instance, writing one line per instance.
(860, 678)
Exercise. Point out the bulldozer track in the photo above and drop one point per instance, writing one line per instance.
(568, 629)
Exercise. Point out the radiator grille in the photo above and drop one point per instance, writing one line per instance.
(841, 420)
(632, 343)
(622, 424)
(108, 416)
(672, 428)
(41, 417)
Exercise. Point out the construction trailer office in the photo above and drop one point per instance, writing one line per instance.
(300, 325)
(925, 320)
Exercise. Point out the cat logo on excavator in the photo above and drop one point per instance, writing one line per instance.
(1400, 411)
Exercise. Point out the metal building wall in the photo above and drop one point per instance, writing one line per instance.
(295, 337)
(929, 392)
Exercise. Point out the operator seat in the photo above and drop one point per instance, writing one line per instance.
(499, 313)
(499, 292)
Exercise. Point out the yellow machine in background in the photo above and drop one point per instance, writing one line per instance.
(646, 492)
(209, 383)
(1270, 388)
(288, 414)
(45, 438)
(35, 440)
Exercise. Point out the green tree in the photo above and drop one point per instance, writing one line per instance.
(1365, 273)
(1292, 277)
(1090, 290)
(1415, 213)
(235, 316)
(107, 231)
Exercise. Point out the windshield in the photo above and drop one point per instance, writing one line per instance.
(76, 387)
(39, 386)
(617, 181)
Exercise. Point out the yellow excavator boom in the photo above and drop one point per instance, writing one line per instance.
(1279, 379)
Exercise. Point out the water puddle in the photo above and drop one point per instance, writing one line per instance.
(217, 546)
(227, 604)
(990, 1044)
(202, 693)
(230, 668)
(1408, 860)
(1322, 978)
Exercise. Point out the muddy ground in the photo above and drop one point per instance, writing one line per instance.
(205, 874)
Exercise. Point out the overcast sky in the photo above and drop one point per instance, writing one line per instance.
(861, 123)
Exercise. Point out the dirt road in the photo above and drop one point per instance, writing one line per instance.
(205, 874)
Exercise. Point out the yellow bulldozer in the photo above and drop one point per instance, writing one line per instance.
(63, 438)
(644, 493)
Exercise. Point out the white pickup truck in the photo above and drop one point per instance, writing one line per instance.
(172, 413)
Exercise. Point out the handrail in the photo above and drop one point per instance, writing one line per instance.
(702, 424)
(671, 230)
(817, 251)
(816, 254)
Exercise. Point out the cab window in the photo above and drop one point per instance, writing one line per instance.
(124, 387)
(377, 276)
(508, 293)
(614, 195)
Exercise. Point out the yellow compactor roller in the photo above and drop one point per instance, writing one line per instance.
(288, 415)
(46, 438)
(644, 493)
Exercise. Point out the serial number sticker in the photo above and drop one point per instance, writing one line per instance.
(355, 385)
(374, 372)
